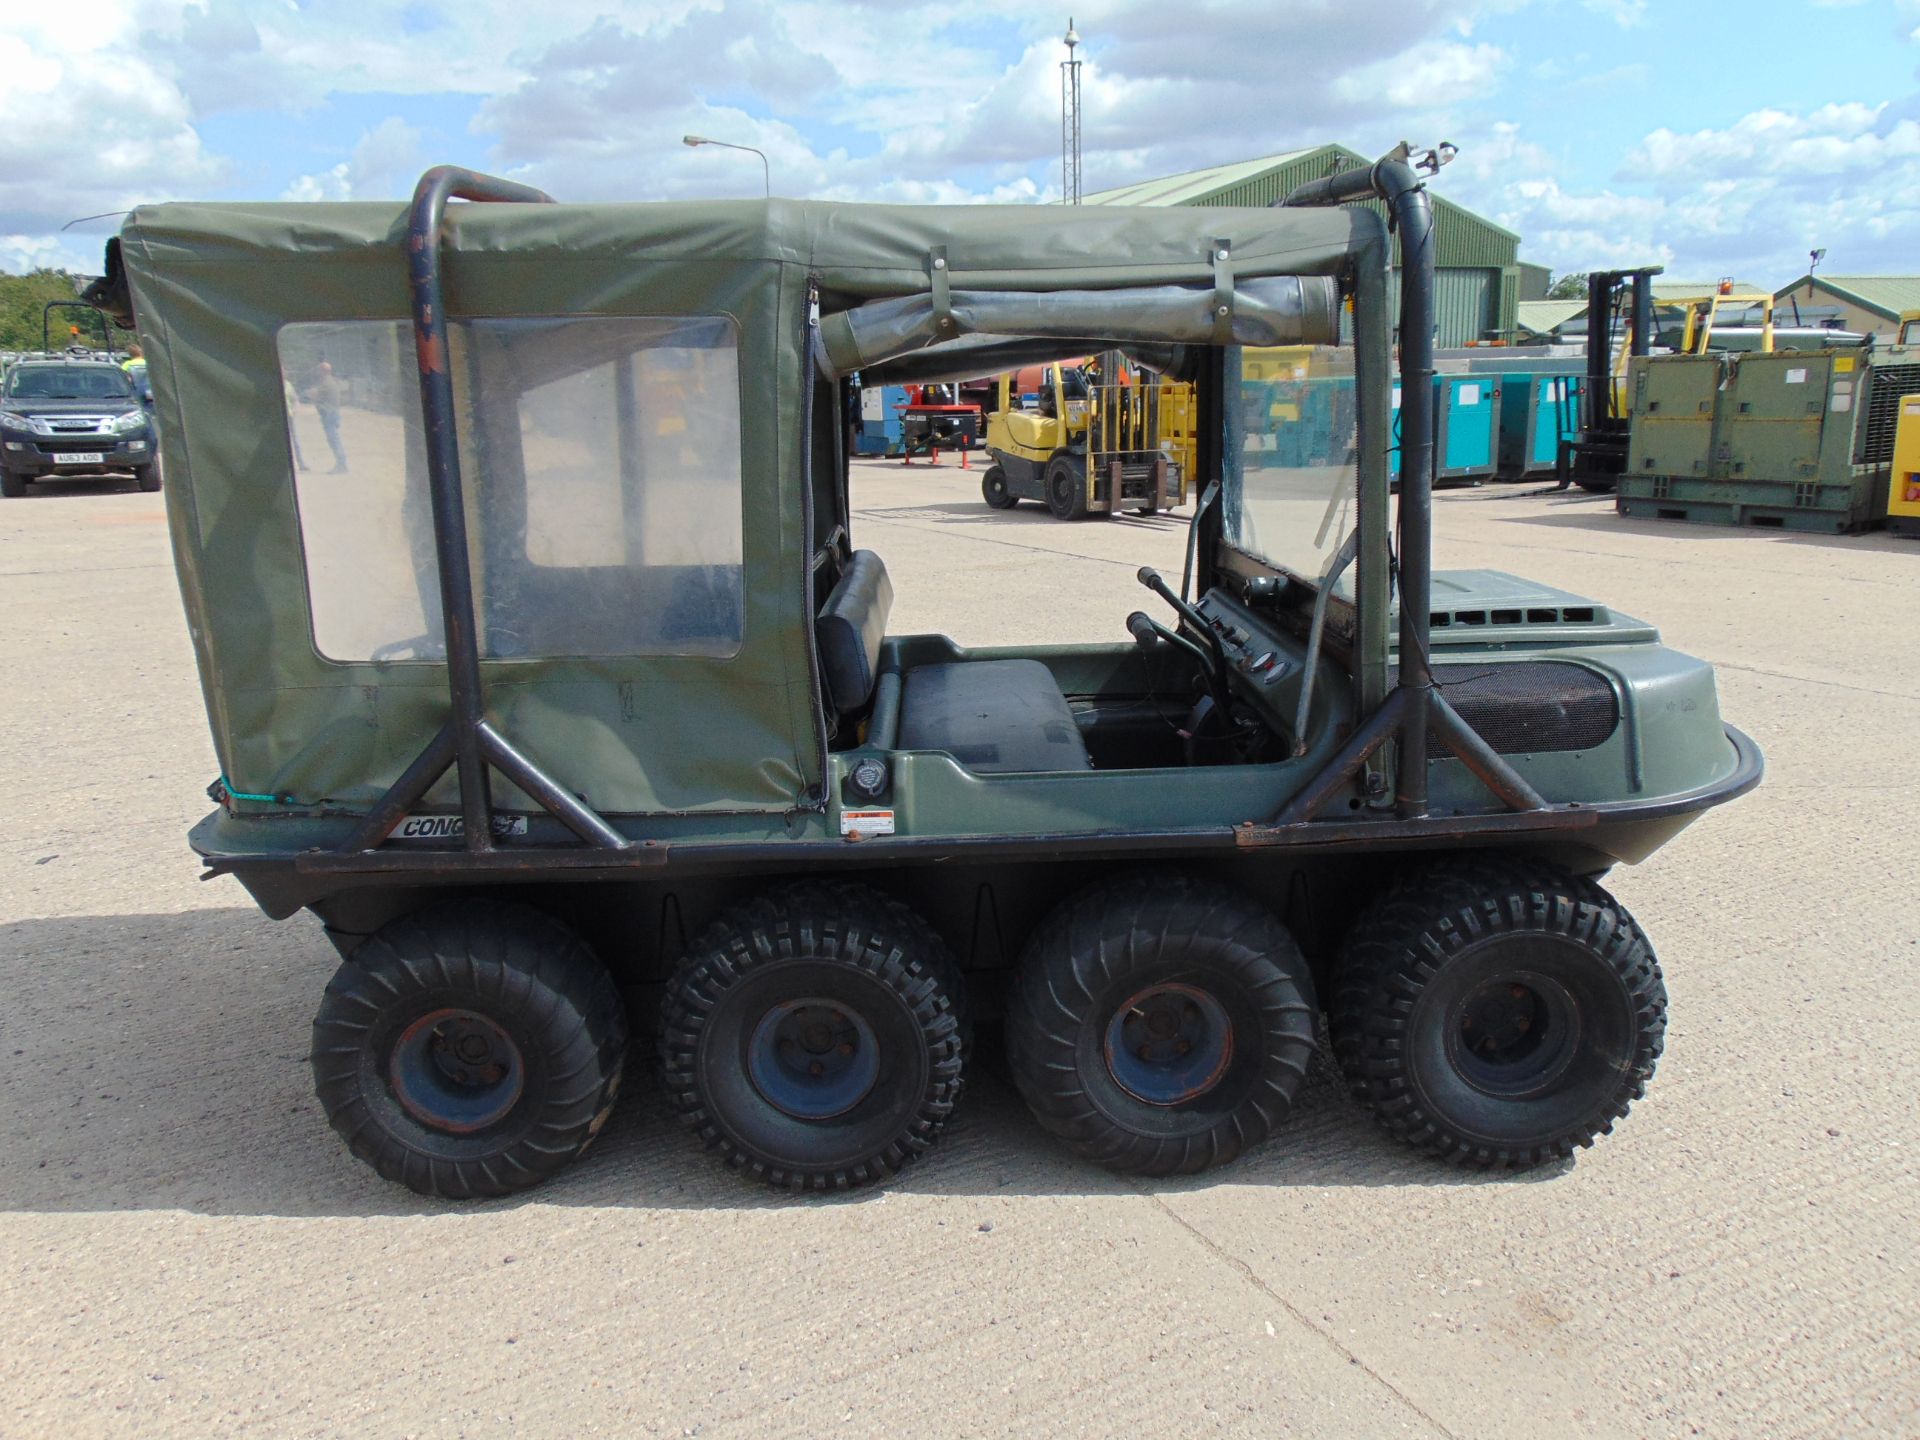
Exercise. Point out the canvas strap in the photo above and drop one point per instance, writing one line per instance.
(1220, 256)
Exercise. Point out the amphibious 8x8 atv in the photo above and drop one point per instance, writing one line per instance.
(567, 703)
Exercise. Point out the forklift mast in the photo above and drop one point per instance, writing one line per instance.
(1605, 289)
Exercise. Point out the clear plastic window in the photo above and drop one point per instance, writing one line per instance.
(1292, 469)
(601, 462)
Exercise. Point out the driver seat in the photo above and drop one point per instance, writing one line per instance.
(996, 717)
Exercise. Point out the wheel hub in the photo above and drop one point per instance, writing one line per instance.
(1169, 1044)
(1514, 1035)
(813, 1059)
(456, 1071)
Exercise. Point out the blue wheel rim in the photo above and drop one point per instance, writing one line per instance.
(456, 1071)
(1169, 1044)
(813, 1059)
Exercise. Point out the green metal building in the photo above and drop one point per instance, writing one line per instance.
(1477, 271)
(1870, 304)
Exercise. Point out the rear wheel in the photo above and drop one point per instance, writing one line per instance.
(13, 485)
(814, 1038)
(147, 477)
(1160, 1025)
(993, 489)
(1497, 1013)
(1066, 489)
(1597, 484)
(470, 1049)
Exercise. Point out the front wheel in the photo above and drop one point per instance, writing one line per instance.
(469, 1050)
(993, 489)
(1066, 489)
(13, 485)
(1497, 1013)
(147, 477)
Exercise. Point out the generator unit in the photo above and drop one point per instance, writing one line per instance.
(1467, 443)
(1537, 412)
(1797, 440)
(881, 429)
(1903, 489)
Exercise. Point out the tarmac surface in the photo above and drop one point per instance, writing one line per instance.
(186, 1248)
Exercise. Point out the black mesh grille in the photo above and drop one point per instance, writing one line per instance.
(1530, 707)
(1889, 383)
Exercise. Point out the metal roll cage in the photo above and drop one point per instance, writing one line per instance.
(1411, 709)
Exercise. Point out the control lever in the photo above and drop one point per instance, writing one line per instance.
(1150, 577)
(1147, 630)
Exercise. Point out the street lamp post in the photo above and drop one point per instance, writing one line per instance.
(766, 172)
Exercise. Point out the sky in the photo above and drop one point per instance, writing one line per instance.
(1717, 137)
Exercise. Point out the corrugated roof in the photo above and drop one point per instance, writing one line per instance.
(1543, 316)
(1886, 295)
(1194, 184)
(1195, 187)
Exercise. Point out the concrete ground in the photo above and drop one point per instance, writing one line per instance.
(186, 1249)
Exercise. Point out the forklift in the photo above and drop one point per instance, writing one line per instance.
(1102, 436)
(1595, 458)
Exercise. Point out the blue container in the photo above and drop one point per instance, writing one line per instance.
(1466, 423)
(1467, 416)
(1537, 413)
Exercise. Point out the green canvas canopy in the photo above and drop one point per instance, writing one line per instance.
(262, 321)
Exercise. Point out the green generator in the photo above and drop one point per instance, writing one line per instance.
(1794, 441)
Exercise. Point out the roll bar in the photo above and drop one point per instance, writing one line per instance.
(1412, 707)
(468, 741)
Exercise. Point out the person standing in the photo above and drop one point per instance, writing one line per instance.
(327, 395)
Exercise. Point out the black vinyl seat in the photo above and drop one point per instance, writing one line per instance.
(996, 717)
(848, 632)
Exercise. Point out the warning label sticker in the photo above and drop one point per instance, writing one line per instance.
(866, 822)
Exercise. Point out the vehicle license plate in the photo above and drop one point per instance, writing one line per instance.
(82, 457)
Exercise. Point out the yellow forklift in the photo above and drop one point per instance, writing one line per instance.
(1699, 313)
(1094, 437)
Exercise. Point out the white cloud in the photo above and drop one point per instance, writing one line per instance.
(86, 126)
(383, 166)
(1436, 74)
(1624, 13)
(857, 99)
(1751, 197)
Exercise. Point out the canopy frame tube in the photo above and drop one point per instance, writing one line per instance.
(467, 742)
(1413, 706)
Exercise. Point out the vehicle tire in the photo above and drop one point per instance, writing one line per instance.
(1497, 1013)
(13, 484)
(814, 1037)
(1598, 484)
(1161, 1024)
(471, 1049)
(993, 489)
(148, 477)
(1066, 489)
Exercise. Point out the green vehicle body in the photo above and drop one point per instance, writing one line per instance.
(654, 788)
(723, 765)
